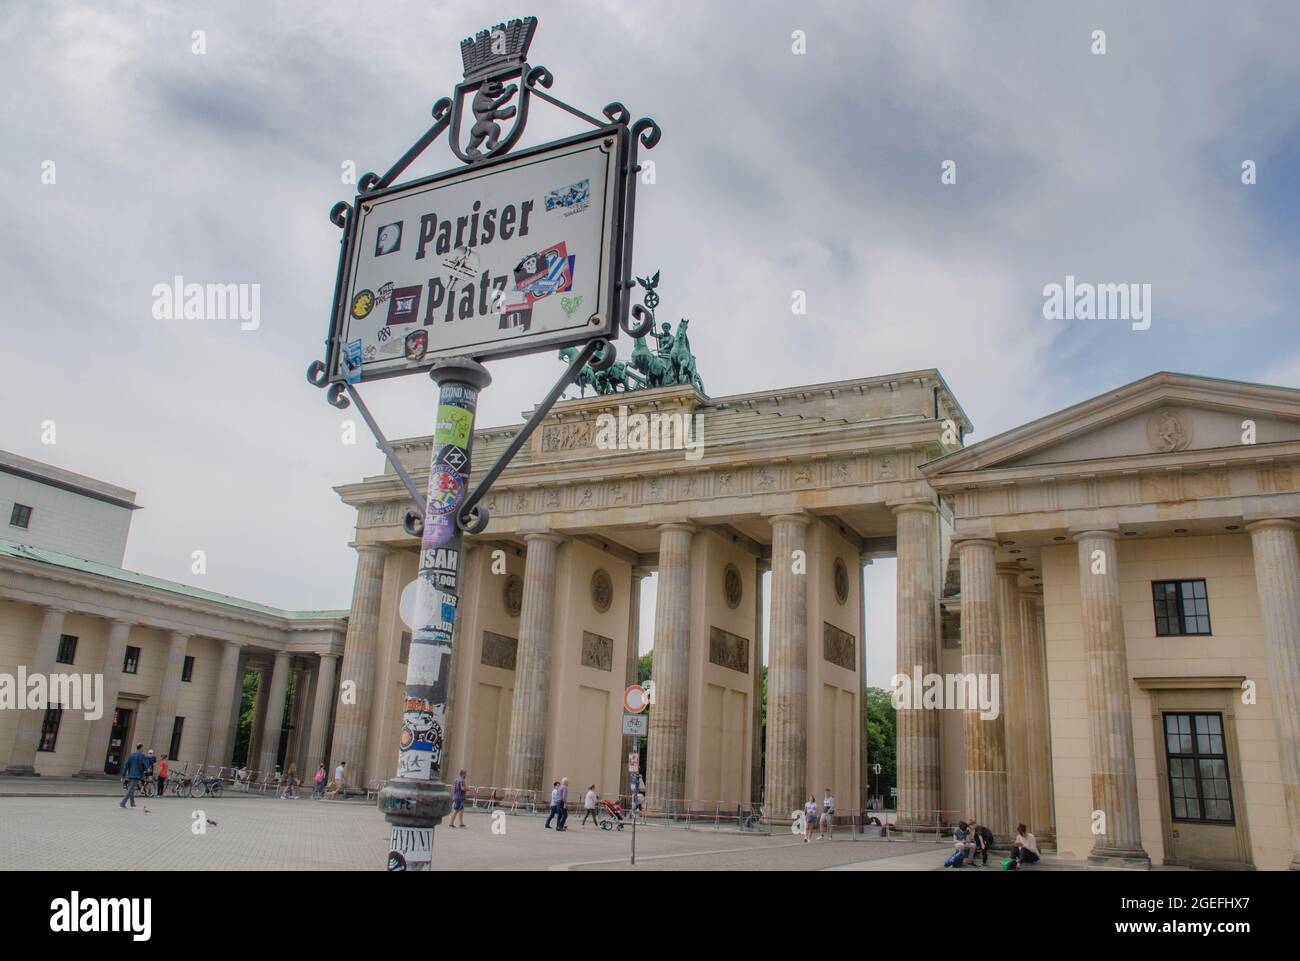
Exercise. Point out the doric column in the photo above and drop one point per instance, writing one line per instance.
(1110, 714)
(632, 661)
(101, 730)
(274, 721)
(981, 642)
(1012, 693)
(170, 692)
(917, 656)
(360, 653)
(222, 733)
(22, 759)
(526, 751)
(326, 682)
(1038, 747)
(864, 762)
(787, 671)
(1277, 579)
(666, 761)
(756, 665)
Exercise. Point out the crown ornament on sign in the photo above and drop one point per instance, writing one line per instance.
(498, 48)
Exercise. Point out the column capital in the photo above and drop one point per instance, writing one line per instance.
(364, 549)
(548, 537)
(789, 517)
(965, 542)
(927, 506)
(64, 609)
(178, 636)
(324, 654)
(1009, 570)
(1110, 535)
(684, 526)
(127, 622)
(1266, 523)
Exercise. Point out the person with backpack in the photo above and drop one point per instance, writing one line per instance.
(318, 788)
(962, 845)
(136, 770)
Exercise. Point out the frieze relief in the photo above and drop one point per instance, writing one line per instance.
(597, 651)
(728, 650)
(838, 647)
(499, 651)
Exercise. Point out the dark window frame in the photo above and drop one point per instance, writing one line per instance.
(20, 516)
(174, 746)
(50, 729)
(67, 649)
(131, 661)
(187, 669)
(1196, 756)
(1170, 603)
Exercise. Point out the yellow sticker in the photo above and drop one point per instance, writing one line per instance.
(454, 425)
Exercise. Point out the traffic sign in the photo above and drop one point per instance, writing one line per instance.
(636, 725)
(635, 699)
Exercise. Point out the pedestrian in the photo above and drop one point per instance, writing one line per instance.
(162, 774)
(318, 791)
(338, 780)
(290, 782)
(135, 771)
(1025, 849)
(983, 839)
(589, 806)
(555, 804)
(809, 816)
(563, 805)
(458, 799)
(826, 827)
(150, 774)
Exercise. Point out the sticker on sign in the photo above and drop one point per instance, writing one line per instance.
(485, 261)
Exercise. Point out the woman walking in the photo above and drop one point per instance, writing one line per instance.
(589, 807)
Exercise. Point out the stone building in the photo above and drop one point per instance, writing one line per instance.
(172, 657)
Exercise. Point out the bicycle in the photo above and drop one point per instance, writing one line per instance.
(202, 786)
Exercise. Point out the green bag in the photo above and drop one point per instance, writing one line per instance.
(1008, 864)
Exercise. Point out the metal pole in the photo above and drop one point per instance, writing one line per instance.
(416, 800)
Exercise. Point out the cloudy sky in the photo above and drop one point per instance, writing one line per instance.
(777, 172)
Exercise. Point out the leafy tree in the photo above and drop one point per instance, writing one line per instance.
(882, 737)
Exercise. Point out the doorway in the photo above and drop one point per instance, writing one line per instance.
(117, 740)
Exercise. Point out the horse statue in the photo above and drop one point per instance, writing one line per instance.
(586, 377)
(657, 371)
(620, 374)
(683, 361)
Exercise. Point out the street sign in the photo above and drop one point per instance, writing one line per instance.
(635, 699)
(508, 256)
(636, 725)
(634, 762)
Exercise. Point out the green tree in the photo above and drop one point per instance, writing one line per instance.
(882, 735)
(643, 667)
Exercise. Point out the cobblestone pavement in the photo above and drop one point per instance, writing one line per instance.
(93, 833)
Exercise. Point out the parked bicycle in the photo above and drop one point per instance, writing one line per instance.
(202, 786)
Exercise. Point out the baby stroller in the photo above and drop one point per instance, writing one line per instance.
(611, 816)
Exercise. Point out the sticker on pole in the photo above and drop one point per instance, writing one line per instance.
(635, 699)
(485, 261)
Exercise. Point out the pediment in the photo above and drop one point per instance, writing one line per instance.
(1164, 414)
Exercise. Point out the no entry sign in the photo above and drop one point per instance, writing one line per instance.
(505, 257)
(635, 699)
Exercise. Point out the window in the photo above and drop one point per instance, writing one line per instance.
(174, 749)
(404, 649)
(20, 516)
(50, 728)
(1182, 607)
(67, 649)
(187, 669)
(131, 663)
(1198, 768)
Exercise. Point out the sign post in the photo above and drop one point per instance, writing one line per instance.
(510, 254)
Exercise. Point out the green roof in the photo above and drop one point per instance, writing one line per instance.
(67, 561)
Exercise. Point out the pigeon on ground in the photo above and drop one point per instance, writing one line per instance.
(146, 811)
(212, 822)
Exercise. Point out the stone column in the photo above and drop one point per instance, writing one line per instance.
(666, 758)
(630, 664)
(221, 735)
(526, 748)
(259, 715)
(22, 759)
(1012, 693)
(981, 641)
(360, 653)
(756, 665)
(1277, 579)
(1038, 745)
(101, 730)
(326, 682)
(1110, 714)
(274, 722)
(864, 762)
(170, 692)
(787, 673)
(917, 633)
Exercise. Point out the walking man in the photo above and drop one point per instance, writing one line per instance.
(555, 804)
(458, 799)
(562, 804)
(826, 826)
(137, 768)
